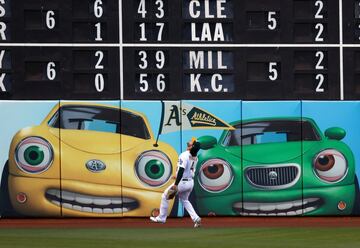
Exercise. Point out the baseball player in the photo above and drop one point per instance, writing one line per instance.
(183, 185)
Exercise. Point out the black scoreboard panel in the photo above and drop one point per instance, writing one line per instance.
(179, 49)
(231, 73)
(60, 21)
(231, 21)
(59, 73)
(352, 73)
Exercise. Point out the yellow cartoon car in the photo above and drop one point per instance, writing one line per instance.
(88, 160)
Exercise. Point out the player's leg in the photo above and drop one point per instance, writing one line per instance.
(164, 206)
(185, 188)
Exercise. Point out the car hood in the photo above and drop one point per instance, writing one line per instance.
(97, 142)
(270, 153)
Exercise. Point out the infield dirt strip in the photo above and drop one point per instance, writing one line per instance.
(211, 222)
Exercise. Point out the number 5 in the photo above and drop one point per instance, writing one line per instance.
(273, 73)
(272, 20)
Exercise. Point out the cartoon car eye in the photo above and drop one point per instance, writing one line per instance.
(34, 155)
(153, 168)
(330, 165)
(215, 175)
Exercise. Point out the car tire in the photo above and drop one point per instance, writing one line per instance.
(6, 209)
(356, 209)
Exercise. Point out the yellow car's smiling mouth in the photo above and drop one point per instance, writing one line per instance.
(90, 203)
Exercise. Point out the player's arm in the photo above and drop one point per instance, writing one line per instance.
(180, 172)
(179, 175)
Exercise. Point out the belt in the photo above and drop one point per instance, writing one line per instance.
(186, 179)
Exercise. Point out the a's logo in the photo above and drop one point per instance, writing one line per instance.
(95, 165)
(273, 175)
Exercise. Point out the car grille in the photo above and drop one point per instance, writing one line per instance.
(273, 176)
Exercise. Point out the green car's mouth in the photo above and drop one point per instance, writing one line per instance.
(288, 208)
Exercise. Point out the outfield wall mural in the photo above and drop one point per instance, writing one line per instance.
(115, 158)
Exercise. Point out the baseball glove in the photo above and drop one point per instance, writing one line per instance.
(171, 192)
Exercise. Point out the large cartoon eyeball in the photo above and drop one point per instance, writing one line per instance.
(330, 165)
(215, 175)
(34, 155)
(153, 168)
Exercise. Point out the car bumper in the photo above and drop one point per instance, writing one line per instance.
(44, 198)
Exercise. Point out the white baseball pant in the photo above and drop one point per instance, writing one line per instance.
(184, 190)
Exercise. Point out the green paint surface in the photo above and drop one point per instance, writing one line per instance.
(181, 237)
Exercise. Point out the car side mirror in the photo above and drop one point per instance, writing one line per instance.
(207, 142)
(336, 133)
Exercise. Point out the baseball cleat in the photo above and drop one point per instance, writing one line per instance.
(197, 222)
(156, 220)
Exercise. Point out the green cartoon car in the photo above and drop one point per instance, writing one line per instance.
(276, 167)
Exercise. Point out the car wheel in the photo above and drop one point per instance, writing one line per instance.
(6, 208)
(356, 209)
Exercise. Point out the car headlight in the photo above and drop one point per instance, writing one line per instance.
(330, 166)
(153, 168)
(215, 175)
(34, 155)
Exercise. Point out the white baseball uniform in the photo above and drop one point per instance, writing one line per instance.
(185, 187)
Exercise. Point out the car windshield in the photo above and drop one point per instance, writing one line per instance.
(100, 119)
(271, 132)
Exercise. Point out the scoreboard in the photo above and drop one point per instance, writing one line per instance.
(180, 49)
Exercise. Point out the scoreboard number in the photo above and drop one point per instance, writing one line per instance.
(100, 56)
(319, 66)
(98, 32)
(99, 78)
(320, 80)
(273, 72)
(99, 82)
(272, 20)
(320, 57)
(141, 9)
(320, 28)
(50, 71)
(50, 19)
(320, 5)
(98, 9)
(160, 10)
(160, 59)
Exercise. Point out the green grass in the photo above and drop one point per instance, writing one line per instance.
(181, 237)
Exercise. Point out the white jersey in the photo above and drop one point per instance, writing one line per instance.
(187, 162)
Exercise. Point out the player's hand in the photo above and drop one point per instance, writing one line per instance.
(171, 192)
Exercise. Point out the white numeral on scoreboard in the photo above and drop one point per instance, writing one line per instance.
(50, 71)
(320, 57)
(142, 32)
(320, 29)
(98, 32)
(142, 9)
(50, 19)
(160, 13)
(161, 27)
(98, 9)
(100, 56)
(320, 80)
(144, 85)
(272, 20)
(160, 59)
(160, 83)
(320, 5)
(99, 82)
(273, 72)
(143, 57)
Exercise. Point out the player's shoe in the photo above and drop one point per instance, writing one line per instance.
(197, 222)
(156, 220)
